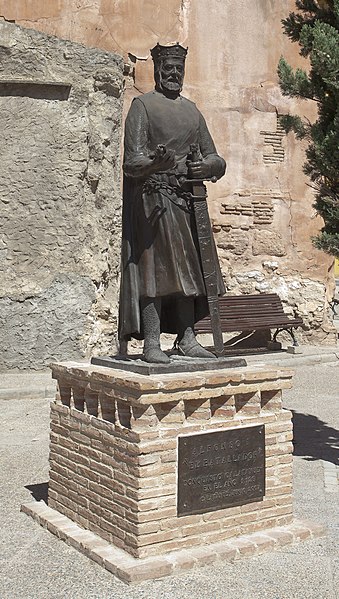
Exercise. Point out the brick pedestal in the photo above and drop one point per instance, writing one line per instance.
(114, 455)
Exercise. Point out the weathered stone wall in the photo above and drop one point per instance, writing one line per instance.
(262, 210)
(60, 120)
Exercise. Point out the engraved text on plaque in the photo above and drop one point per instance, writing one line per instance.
(220, 469)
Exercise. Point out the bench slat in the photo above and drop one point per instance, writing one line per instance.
(268, 319)
(253, 311)
(245, 325)
(238, 299)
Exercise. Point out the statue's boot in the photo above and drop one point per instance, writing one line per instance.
(150, 314)
(189, 346)
(186, 342)
(155, 355)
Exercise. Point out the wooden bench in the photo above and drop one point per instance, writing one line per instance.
(252, 313)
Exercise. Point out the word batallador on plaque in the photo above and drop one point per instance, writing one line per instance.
(220, 469)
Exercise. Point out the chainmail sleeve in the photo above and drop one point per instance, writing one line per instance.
(208, 150)
(136, 161)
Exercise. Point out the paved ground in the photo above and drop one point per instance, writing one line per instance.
(34, 564)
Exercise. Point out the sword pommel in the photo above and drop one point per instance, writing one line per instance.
(194, 155)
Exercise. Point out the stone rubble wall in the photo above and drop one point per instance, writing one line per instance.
(60, 120)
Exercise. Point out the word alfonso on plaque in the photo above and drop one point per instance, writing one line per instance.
(220, 469)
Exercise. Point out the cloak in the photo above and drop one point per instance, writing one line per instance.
(160, 255)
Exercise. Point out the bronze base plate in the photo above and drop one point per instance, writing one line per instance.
(177, 364)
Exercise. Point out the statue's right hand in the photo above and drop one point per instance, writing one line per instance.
(164, 160)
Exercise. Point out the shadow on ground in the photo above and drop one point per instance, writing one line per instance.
(39, 491)
(313, 439)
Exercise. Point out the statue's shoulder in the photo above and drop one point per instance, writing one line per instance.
(188, 102)
(190, 107)
(139, 101)
(148, 98)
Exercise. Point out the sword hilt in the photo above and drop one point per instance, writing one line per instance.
(195, 156)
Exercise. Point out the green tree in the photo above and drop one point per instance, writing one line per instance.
(316, 28)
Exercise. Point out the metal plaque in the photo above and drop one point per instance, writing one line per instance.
(220, 469)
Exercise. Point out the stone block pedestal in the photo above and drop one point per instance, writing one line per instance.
(114, 463)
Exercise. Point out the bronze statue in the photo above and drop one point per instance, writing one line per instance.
(167, 146)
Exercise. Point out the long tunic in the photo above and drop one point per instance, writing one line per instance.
(160, 255)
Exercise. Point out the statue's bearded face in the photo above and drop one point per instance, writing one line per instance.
(170, 75)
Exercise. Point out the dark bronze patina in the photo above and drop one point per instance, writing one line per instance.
(164, 256)
(206, 248)
(177, 364)
(220, 469)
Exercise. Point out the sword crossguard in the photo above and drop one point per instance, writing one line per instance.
(182, 180)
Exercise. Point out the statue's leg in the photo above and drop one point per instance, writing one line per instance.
(150, 314)
(187, 343)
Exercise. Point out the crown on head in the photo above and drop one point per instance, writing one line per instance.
(159, 52)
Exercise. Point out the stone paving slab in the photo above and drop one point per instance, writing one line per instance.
(132, 570)
(26, 384)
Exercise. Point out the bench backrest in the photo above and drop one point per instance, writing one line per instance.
(243, 312)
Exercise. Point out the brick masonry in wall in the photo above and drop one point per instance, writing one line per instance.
(257, 210)
(113, 454)
(273, 148)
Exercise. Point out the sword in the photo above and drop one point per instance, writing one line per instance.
(204, 233)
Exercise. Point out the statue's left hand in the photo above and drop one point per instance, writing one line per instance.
(199, 170)
(165, 160)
